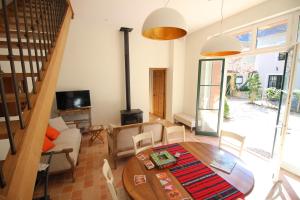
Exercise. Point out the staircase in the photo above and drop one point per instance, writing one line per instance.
(32, 39)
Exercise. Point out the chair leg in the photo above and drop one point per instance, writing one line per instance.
(113, 162)
(73, 175)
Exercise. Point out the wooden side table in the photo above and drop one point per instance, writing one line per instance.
(96, 133)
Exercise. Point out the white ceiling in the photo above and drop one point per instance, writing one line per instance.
(132, 13)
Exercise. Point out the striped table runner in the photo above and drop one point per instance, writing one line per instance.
(199, 180)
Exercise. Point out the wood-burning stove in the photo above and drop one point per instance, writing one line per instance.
(129, 116)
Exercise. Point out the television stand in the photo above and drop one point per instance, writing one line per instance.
(81, 117)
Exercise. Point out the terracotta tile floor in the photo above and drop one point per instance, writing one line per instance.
(90, 183)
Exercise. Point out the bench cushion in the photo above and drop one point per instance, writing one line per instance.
(185, 119)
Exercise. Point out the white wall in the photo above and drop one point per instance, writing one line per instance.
(195, 41)
(94, 60)
(268, 64)
(177, 67)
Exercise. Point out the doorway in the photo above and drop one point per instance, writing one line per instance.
(158, 92)
(289, 115)
(209, 96)
(253, 98)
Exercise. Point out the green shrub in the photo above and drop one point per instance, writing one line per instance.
(226, 109)
(244, 88)
(273, 94)
(297, 95)
(254, 86)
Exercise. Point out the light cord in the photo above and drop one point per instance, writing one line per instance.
(222, 4)
(167, 3)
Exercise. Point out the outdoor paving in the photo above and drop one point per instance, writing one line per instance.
(256, 122)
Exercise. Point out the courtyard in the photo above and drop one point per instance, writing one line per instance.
(257, 123)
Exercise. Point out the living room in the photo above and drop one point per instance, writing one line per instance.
(103, 52)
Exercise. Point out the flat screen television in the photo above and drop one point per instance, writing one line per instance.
(73, 99)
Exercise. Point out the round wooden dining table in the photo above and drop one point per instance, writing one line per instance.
(240, 177)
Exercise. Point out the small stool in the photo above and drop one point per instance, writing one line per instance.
(95, 132)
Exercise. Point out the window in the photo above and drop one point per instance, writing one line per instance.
(246, 39)
(239, 80)
(275, 81)
(272, 35)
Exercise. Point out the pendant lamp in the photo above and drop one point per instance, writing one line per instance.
(221, 45)
(164, 24)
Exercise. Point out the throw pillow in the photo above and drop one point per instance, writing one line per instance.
(52, 133)
(48, 144)
(58, 123)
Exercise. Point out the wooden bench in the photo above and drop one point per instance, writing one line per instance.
(185, 119)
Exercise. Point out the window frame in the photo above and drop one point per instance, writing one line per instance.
(291, 33)
(272, 24)
(277, 84)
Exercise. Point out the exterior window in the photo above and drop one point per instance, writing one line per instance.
(246, 39)
(275, 81)
(239, 80)
(272, 35)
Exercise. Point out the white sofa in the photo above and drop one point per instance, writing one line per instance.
(66, 150)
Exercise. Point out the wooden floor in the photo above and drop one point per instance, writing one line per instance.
(90, 183)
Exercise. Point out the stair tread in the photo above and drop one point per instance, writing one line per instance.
(18, 58)
(18, 75)
(10, 97)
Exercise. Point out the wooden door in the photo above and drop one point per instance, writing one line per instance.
(159, 93)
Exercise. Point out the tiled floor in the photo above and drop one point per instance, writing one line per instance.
(90, 183)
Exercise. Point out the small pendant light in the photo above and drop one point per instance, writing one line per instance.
(221, 45)
(164, 24)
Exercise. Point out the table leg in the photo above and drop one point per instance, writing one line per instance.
(2, 181)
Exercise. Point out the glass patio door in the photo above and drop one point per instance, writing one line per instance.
(291, 148)
(284, 112)
(209, 96)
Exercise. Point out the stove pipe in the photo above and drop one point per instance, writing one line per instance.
(127, 65)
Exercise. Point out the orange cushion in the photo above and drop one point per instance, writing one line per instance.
(48, 144)
(52, 133)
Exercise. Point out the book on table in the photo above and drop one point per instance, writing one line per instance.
(223, 163)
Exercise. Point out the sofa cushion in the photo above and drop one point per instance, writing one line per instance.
(52, 133)
(58, 123)
(4, 148)
(69, 138)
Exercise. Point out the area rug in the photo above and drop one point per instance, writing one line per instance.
(199, 180)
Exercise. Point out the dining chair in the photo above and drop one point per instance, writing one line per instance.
(174, 130)
(116, 194)
(276, 191)
(232, 136)
(139, 140)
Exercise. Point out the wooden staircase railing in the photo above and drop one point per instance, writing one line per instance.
(32, 40)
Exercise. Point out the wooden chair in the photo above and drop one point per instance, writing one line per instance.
(115, 194)
(137, 139)
(236, 137)
(173, 130)
(276, 191)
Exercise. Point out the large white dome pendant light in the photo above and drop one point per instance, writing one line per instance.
(164, 24)
(221, 45)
